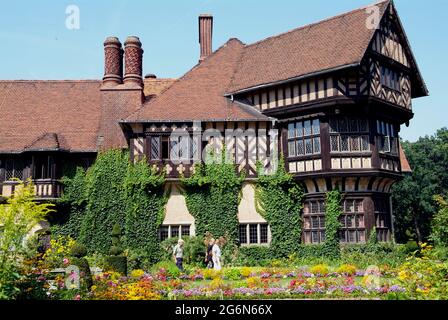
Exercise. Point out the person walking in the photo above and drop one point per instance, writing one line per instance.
(216, 255)
(209, 255)
(178, 254)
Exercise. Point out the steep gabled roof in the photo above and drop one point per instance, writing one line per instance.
(405, 166)
(44, 115)
(30, 110)
(333, 43)
(199, 94)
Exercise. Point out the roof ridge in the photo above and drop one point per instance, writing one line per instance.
(316, 23)
(51, 81)
(156, 98)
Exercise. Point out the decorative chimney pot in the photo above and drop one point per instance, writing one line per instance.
(113, 61)
(133, 54)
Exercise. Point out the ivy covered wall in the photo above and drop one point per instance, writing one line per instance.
(279, 201)
(212, 197)
(114, 191)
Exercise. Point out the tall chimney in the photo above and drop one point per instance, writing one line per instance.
(113, 62)
(205, 35)
(133, 56)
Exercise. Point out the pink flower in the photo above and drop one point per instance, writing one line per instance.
(78, 297)
(66, 261)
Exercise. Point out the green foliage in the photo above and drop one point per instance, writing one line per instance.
(84, 269)
(117, 264)
(232, 274)
(253, 256)
(145, 203)
(116, 261)
(71, 205)
(333, 211)
(106, 203)
(439, 232)
(279, 201)
(166, 267)
(414, 207)
(78, 251)
(212, 195)
(194, 250)
(114, 191)
(17, 218)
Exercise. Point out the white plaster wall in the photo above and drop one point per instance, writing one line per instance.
(247, 212)
(176, 211)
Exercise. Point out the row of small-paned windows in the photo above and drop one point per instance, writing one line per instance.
(344, 143)
(11, 169)
(304, 138)
(390, 78)
(175, 147)
(388, 137)
(382, 219)
(253, 233)
(349, 135)
(352, 222)
(314, 221)
(348, 125)
(173, 231)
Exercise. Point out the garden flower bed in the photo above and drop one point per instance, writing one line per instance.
(280, 284)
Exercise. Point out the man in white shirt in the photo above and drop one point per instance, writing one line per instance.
(178, 254)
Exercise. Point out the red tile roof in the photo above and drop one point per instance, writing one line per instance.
(405, 166)
(199, 94)
(55, 115)
(34, 111)
(325, 45)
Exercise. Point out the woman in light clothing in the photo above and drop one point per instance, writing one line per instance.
(216, 255)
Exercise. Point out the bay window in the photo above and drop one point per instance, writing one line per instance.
(304, 138)
(349, 135)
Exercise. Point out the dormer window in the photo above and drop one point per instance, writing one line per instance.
(390, 78)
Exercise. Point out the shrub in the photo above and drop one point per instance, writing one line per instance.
(320, 269)
(78, 251)
(116, 261)
(253, 256)
(17, 219)
(212, 274)
(232, 274)
(439, 233)
(254, 282)
(59, 249)
(246, 272)
(347, 269)
(167, 268)
(85, 274)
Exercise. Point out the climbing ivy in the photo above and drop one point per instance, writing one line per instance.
(114, 191)
(333, 211)
(145, 203)
(71, 205)
(212, 197)
(279, 201)
(105, 201)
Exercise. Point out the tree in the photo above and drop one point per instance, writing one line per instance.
(414, 206)
(17, 219)
(439, 224)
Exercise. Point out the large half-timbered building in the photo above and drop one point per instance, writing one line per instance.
(336, 91)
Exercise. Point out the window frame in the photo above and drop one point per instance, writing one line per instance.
(303, 138)
(246, 229)
(358, 136)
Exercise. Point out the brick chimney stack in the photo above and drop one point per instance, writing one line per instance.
(133, 56)
(113, 62)
(205, 35)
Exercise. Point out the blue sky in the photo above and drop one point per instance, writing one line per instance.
(37, 45)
